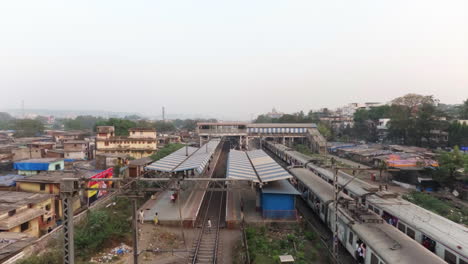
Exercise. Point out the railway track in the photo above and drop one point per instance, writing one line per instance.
(206, 245)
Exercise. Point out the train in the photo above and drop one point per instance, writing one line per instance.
(443, 237)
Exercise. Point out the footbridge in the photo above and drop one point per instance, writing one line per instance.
(285, 133)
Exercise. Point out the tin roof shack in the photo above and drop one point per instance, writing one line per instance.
(278, 200)
(40, 202)
(49, 183)
(34, 166)
(76, 149)
(141, 142)
(136, 168)
(12, 243)
(8, 182)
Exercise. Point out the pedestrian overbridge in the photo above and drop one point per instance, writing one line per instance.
(244, 132)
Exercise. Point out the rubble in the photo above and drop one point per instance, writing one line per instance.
(112, 255)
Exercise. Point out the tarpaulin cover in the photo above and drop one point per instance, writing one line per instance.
(10, 179)
(107, 174)
(31, 166)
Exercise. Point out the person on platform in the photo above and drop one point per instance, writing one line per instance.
(141, 216)
(208, 224)
(156, 219)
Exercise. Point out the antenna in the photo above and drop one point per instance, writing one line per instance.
(22, 108)
(163, 114)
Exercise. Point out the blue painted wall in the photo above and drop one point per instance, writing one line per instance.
(278, 206)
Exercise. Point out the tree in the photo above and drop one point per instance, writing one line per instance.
(82, 122)
(325, 131)
(121, 125)
(458, 134)
(449, 164)
(6, 121)
(412, 101)
(162, 126)
(464, 110)
(28, 127)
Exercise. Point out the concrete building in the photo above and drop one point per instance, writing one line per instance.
(141, 142)
(77, 150)
(34, 166)
(274, 114)
(36, 222)
(49, 183)
(164, 139)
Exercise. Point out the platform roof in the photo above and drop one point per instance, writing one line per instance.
(280, 187)
(239, 166)
(178, 161)
(168, 163)
(199, 158)
(267, 169)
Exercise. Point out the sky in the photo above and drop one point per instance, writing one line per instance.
(229, 59)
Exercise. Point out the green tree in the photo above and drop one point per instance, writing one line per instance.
(6, 121)
(449, 164)
(168, 149)
(162, 126)
(464, 110)
(28, 127)
(458, 134)
(325, 130)
(121, 125)
(82, 122)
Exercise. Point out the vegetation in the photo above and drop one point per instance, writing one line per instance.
(439, 207)
(458, 134)
(168, 149)
(82, 122)
(266, 245)
(450, 163)
(98, 231)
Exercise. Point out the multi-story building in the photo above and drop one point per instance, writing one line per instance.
(31, 213)
(141, 142)
(76, 149)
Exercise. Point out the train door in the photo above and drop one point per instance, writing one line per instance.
(350, 244)
(389, 218)
(429, 243)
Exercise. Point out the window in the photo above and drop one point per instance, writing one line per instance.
(47, 207)
(450, 257)
(12, 212)
(377, 211)
(374, 259)
(24, 226)
(57, 167)
(350, 239)
(42, 186)
(371, 207)
(410, 232)
(401, 227)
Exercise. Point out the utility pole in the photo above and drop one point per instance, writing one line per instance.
(67, 189)
(135, 230)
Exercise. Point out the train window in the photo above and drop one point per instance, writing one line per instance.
(401, 227)
(377, 211)
(410, 232)
(462, 262)
(450, 257)
(350, 239)
(374, 259)
(371, 207)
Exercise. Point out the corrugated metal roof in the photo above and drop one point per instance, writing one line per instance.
(178, 161)
(239, 166)
(168, 163)
(200, 157)
(280, 187)
(266, 168)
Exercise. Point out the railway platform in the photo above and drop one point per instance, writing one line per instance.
(184, 210)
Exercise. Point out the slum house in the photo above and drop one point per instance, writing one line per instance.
(136, 168)
(19, 203)
(12, 243)
(34, 166)
(49, 183)
(141, 142)
(76, 149)
(108, 160)
(55, 153)
(43, 147)
(24, 152)
(164, 139)
(8, 182)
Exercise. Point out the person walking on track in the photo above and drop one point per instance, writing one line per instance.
(208, 224)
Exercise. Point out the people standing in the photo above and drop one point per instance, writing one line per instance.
(208, 224)
(156, 219)
(141, 215)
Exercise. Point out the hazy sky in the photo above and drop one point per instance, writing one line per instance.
(229, 59)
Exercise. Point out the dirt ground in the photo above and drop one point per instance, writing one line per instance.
(161, 237)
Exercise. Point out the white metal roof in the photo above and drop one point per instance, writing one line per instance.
(266, 168)
(239, 166)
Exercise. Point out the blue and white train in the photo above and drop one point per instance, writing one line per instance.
(443, 237)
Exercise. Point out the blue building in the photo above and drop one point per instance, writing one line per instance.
(278, 200)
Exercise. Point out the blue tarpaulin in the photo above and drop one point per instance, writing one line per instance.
(31, 166)
(10, 179)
